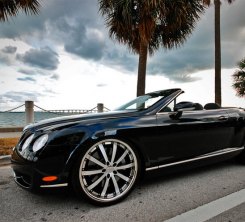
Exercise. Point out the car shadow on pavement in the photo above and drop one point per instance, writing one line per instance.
(168, 174)
(154, 179)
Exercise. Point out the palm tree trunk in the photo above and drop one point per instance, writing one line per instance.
(142, 69)
(217, 53)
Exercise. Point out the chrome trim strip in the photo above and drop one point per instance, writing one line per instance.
(55, 185)
(216, 153)
(16, 181)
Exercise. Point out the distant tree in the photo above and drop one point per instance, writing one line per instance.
(9, 8)
(239, 79)
(217, 41)
(146, 25)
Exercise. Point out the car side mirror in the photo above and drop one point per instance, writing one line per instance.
(175, 115)
(179, 108)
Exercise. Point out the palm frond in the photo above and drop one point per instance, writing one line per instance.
(239, 79)
(29, 6)
(155, 23)
(9, 8)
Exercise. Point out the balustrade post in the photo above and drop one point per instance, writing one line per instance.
(100, 107)
(29, 110)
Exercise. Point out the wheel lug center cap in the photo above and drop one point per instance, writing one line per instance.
(110, 169)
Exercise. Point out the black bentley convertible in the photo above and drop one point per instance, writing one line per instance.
(103, 155)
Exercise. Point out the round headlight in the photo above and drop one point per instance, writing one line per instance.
(40, 142)
(27, 142)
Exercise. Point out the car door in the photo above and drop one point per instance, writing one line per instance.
(194, 133)
(237, 122)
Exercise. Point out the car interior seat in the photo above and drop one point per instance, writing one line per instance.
(212, 106)
(198, 106)
(166, 109)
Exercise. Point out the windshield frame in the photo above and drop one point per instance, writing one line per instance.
(140, 101)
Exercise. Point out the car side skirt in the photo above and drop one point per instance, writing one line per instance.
(209, 155)
(55, 185)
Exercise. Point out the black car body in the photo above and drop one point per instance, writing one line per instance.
(83, 149)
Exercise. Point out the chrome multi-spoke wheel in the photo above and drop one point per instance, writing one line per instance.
(107, 171)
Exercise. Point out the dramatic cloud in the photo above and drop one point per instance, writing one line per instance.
(77, 27)
(80, 39)
(87, 44)
(9, 49)
(122, 59)
(27, 79)
(17, 96)
(23, 27)
(34, 72)
(4, 59)
(44, 58)
(55, 77)
(182, 78)
(188, 60)
(28, 72)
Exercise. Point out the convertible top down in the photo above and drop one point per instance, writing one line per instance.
(103, 155)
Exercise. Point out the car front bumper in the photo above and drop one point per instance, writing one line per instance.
(28, 174)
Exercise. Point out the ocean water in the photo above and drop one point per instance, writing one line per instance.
(18, 118)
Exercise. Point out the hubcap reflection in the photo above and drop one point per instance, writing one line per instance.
(108, 170)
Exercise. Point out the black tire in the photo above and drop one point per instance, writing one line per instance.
(106, 172)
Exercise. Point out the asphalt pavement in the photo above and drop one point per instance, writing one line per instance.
(5, 160)
(155, 199)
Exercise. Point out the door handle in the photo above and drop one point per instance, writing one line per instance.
(223, 118)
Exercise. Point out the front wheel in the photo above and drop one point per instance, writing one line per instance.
(106, 172)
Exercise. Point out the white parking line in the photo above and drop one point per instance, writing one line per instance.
(211, 209)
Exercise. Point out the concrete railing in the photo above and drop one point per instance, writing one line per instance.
(29, 110)
(100, 107)
(11, 129)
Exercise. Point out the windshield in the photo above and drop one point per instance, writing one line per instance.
(146, 101)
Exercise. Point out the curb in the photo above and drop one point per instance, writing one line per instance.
(10, 134)
(11, 129)
(5, 160)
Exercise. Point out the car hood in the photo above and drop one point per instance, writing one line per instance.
(76, 119)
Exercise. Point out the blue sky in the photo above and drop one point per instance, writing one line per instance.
(63, 58)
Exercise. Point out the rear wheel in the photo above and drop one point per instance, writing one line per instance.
(106, 172)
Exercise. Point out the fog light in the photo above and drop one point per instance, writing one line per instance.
(49, 178)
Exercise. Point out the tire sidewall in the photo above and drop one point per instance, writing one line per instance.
(75, 174)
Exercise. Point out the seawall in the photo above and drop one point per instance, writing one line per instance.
(10, 132)
(11, 129)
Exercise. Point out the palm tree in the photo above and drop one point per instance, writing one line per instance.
(146, 25)
(9, 8)
(217, 43)
(239, 79)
